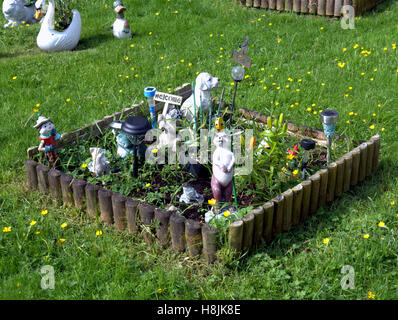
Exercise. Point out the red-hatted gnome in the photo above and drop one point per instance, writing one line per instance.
(48, 138)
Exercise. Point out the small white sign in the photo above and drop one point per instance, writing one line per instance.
(168, 98)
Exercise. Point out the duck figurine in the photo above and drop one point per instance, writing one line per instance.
(51, 40)
(19, 11)
(121, 28)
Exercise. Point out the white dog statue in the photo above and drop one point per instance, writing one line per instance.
(15, 12)
(100, 164)
(204, 84)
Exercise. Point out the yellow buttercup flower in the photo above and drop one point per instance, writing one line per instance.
(148, 185)
(98, 232)
(392, 203)
(372, 127)
(212, 202)
(44, 212)
(64, 225)
(366, 236)
(155, 151)
(67, 99)
(33, 222)
(295, 172)
(371, 295)
(160, 290)
(84, 165)
(7, 229)
(227, 213)
(326, 241)
(381, 224)
(62, 240)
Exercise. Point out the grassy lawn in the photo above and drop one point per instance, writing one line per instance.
(301, 64)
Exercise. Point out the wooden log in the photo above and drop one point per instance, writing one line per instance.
(248, 228)
(339, 177)
(305, 205)
(264, 4)
(177, 231)
(162, 229)
(42, 178)
(370, 156)
(193, 234)
(356, 155)
(321, 7)
(268, 220)
(235, 236)
(288, 5)
(147, 213)
(256, 3)
(376, 152)
(209, 237)
(329, 7)
(131, 214)
(105, 205)
(296, 5)
(258, 225)
(287, 209)
(280, 5)
(278, 215)
(119, 211)
(31, 174)
(79, 193)
(332, 173)
(297, 201)
(304, 6)
(66, 188)
(337, 7)
(313, 6)
(272, 4)
(362, 162)
(249, 3)
(92, 201)
(315, 186)
(323, 187)
(347, 171)
(54, 184)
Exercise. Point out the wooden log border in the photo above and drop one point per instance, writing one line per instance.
(319, 7)
(174, 231)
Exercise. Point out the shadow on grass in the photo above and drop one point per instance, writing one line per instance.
(329, 215)
(94, 41)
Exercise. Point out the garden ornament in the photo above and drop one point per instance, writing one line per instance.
(17, 12)
(201, 97)
(134, 128)
(223, 167)
(307, 145)
(169, 136)
(149, 93)
(124, 146)
(100, 164)
(191, 196)
(293, 156)
(219, 124)
(121, 28)
(48, 138)
(51, 40)
(329, 119)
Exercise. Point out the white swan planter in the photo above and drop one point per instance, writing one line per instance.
(16, 12)
(51, 40)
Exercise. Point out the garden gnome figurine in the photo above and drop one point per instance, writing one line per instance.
(223, 167)
(121, 28)
(48, 137)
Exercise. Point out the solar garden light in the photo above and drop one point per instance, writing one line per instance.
(307, 145)
(329, 119)
(135, 129)
(238, 73)
(149, 93)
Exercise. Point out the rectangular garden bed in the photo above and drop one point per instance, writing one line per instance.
(319, 7)
(170, 229)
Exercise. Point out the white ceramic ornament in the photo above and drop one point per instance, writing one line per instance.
(51, 40)
(121, 28)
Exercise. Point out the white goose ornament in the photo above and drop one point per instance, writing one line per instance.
(17, 11)
(121, 28)
(51, 40)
